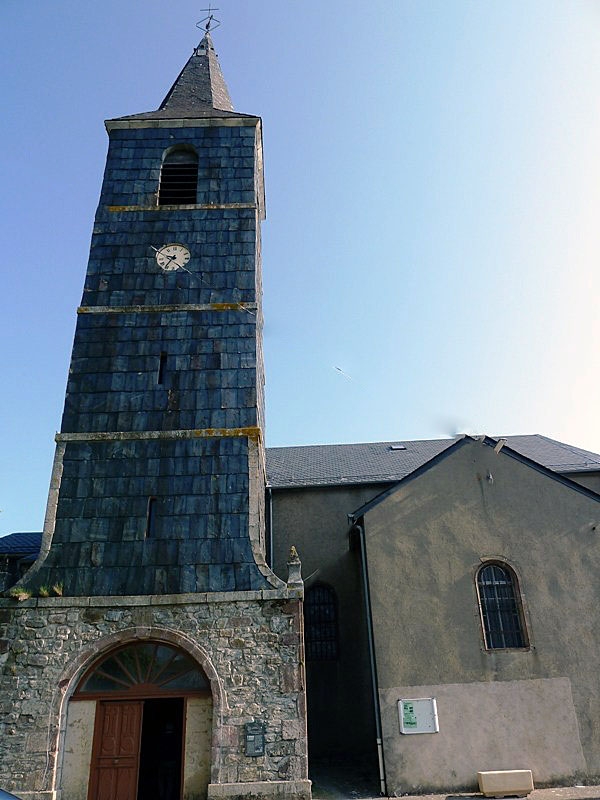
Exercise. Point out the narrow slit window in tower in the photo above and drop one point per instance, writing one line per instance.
(151, 518)
(162, 366)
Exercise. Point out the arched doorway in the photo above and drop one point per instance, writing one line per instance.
(147, 711)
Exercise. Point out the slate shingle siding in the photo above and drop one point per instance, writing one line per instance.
(200, 538)
(225, 156)
(100, 527)
(209, 376)
(123, 272)
(211, 379)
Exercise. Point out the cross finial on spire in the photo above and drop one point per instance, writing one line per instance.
(210, 21)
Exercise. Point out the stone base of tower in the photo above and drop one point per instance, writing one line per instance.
(248, 645)
(261, 790)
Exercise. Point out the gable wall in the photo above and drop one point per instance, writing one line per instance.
(425, 543)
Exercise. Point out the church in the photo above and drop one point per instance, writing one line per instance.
(202, 617)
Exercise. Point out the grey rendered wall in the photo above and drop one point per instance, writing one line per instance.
(340, 715)
(504, 727)
(425, 543)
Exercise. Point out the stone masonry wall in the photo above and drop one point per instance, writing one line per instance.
(248, 643)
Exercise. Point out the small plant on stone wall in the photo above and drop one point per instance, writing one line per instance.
(19, 593)
(57, 590)
(44, 591)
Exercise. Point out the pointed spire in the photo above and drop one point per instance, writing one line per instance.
(200, 85)
(199, 92)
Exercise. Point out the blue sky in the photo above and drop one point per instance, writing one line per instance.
(433, 196)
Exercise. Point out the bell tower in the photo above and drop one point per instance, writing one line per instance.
(153, 612)
(161, 445)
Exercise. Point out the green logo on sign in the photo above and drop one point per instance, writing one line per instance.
(409, 718)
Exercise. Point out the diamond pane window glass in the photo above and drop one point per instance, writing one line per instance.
(500, 607)
(320, 624)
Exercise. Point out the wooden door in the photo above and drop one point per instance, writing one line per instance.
(116, 751)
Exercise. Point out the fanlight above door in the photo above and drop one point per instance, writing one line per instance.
(144, 669)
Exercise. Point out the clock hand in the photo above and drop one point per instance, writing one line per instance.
(159, 250)
(170, 258)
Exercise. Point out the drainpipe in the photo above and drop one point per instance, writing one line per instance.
(269, 515)
(369, 617)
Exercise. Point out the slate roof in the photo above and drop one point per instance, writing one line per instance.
(383, 462)
(200, 83)
(557, 456)
(199, 91)
(179, 113)
(20, 544)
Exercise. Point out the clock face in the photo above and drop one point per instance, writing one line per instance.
(172, 256)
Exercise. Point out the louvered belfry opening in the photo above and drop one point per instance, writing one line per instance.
(178, 179)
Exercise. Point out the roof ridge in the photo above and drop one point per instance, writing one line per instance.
(362, 444)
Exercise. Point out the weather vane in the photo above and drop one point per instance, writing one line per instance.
(210, 21)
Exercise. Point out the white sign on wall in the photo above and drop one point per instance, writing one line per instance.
(418, 715)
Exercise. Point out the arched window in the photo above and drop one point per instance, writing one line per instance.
(178, 178)
(320, 624)
(500, 606)
(150, 668)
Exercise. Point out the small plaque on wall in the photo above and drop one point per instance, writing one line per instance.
(418, 715)
(255, 739)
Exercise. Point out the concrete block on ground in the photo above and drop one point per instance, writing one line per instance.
(505, 782)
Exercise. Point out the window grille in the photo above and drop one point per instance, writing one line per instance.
(320, 624)
(500, 607)
(178, 179)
